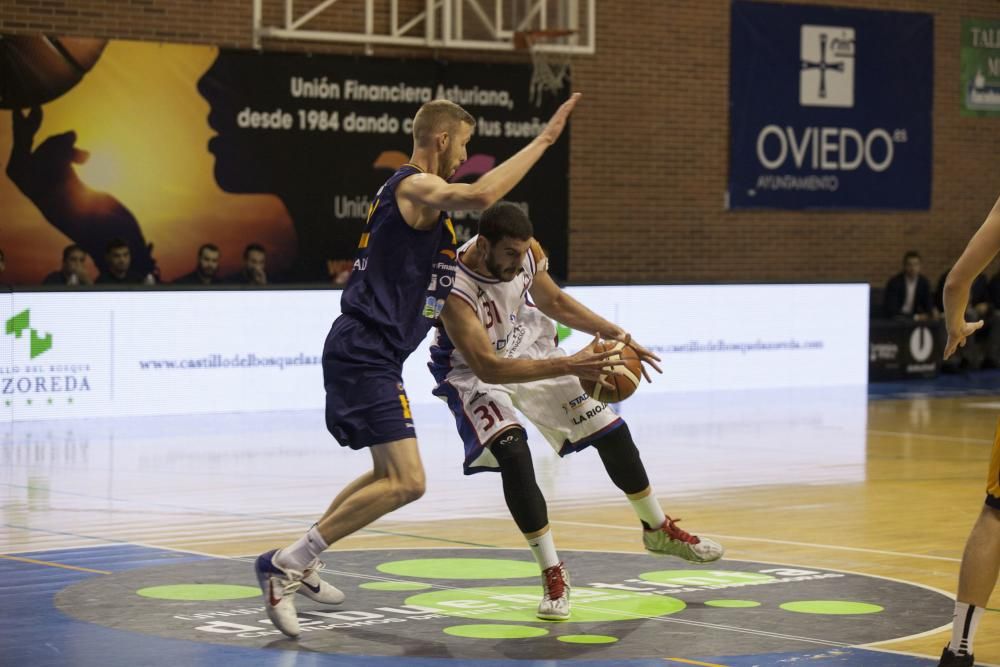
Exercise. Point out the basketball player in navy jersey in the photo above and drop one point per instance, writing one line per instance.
(402, 275)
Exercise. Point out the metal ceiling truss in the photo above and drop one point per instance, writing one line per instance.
(441, 24)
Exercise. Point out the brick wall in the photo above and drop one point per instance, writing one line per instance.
(650, 142)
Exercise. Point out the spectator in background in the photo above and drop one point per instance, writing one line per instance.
(339, 271)
(908, 293)
(207, 270)
(994, 287)
(254, 267)
(118, 258)
(74, 261)
(3, 267)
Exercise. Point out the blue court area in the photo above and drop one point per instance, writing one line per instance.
(82, 607)
(975, 383)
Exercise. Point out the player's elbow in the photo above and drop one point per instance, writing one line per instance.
(550, 306)
(953, 285)
(482, 196)
(487, 371)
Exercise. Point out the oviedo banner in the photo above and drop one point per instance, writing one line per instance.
(176, 146)
(830, 108)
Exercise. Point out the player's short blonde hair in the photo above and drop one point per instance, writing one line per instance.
(438, 116)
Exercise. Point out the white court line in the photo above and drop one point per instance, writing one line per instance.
(773, 541)
(928, 436)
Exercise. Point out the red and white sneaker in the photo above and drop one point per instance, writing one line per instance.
(279, 588)
(555, 599)
(670, 540)
(314, 588)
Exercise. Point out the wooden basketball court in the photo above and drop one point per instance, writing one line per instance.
(827, 482)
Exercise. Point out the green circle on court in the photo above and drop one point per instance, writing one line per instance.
(495, 631)
(461, 568)
(519, 604)
(394, 586)
(705, 577)
(199, 592)
(731, 604)
(587, 639)
(831, 607)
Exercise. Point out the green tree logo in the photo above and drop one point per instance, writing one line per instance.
(22, 321)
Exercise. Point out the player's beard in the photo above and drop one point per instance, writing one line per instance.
(449, 164)
(497, 270)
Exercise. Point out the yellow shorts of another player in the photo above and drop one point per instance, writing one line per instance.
(993, 478)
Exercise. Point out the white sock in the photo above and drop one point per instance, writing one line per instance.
(648, 510)
(300, 553)
(963, 627)
(544, 549)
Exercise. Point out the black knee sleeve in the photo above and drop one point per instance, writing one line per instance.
(524, 499)
(621, 460)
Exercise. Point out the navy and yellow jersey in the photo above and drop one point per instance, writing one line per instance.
(401, 275)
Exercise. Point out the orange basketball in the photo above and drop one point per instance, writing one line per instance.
(625, 377)
(35, 69)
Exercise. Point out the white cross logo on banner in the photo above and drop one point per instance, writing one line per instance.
(826, 78)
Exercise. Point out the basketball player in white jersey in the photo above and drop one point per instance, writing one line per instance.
(497, 355)
(981, 559)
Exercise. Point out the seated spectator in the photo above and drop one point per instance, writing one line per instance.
(254, 269)
(74, 261)
(118, 259)
(908, 293)
(207, 270)
(994, 287)
(339, 271)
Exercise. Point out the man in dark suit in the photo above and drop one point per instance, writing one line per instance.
(908, 293)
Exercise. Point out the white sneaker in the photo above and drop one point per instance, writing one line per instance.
(279, 588)
(669, 540)
(555, 599)
(314, 588)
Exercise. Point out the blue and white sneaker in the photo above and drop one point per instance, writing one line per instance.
(279, 588)
(314, 588)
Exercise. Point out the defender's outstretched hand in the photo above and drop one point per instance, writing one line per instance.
(557, 123)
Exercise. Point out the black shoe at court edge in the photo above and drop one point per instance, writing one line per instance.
(949, 659)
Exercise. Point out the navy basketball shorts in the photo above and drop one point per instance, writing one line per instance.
(366, 404)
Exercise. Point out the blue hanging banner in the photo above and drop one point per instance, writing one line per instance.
(830, 108)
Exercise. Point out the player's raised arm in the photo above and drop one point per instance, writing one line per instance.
(433, 191)
(977, 255)
(467, 333)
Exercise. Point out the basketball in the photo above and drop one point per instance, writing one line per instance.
(35, 69)
(625, 378)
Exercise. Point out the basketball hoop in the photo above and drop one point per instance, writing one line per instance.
(549, 68)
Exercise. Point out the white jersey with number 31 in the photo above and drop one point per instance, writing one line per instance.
(511, 323)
